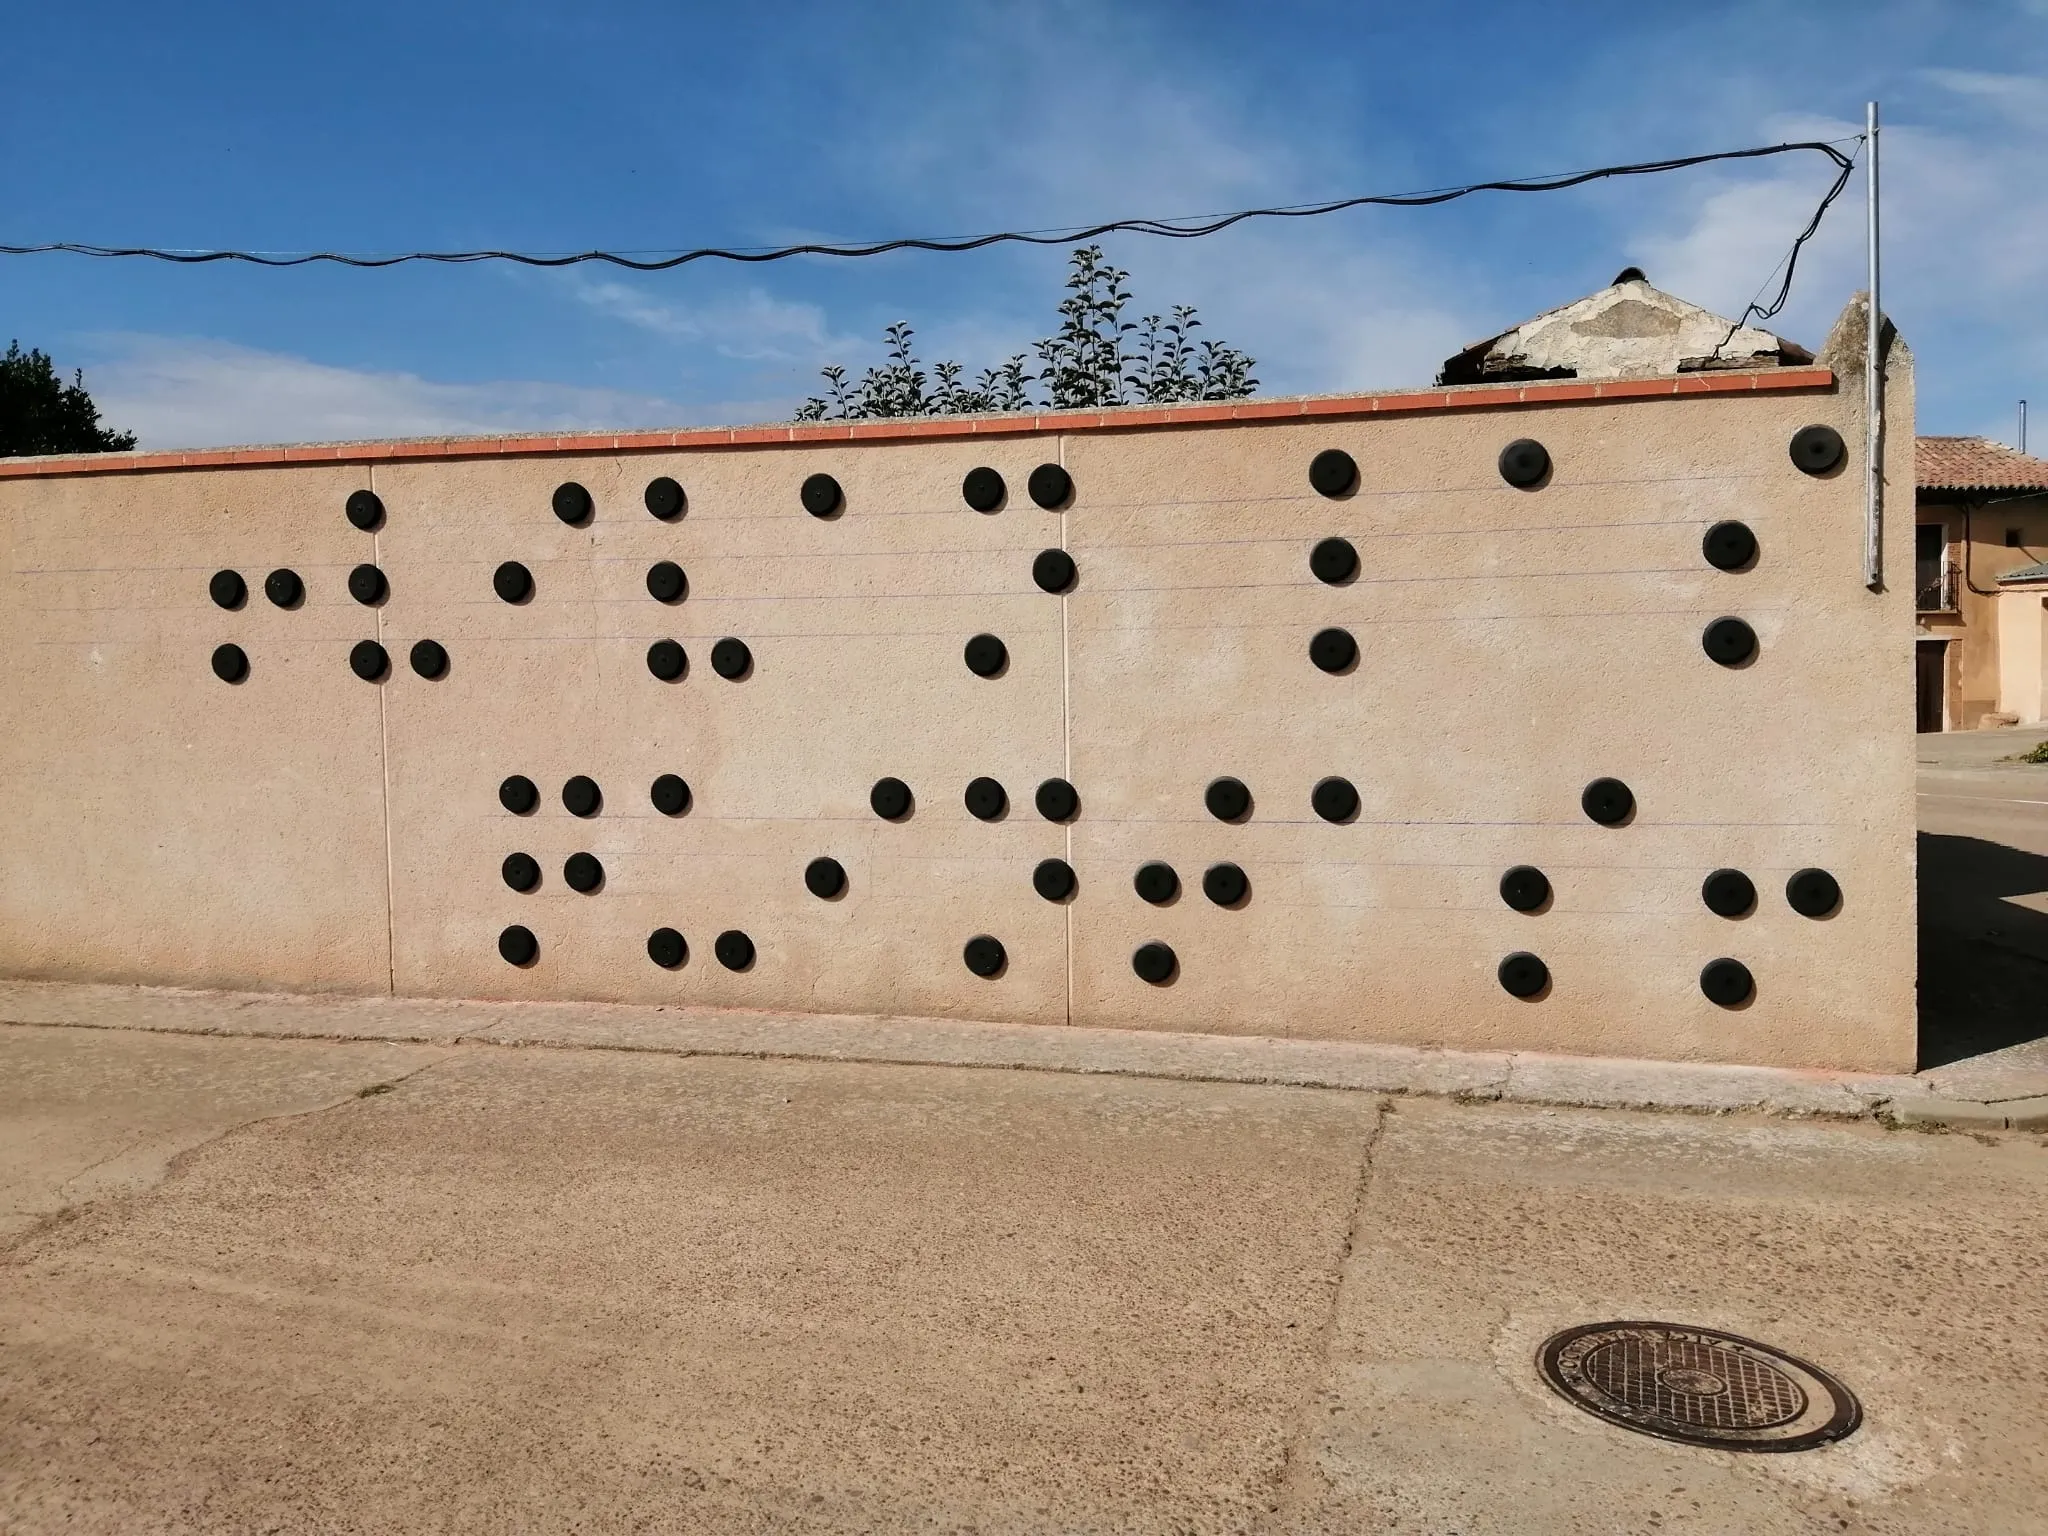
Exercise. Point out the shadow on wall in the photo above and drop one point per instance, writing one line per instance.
(1983, 959)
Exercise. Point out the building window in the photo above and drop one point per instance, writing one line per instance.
(2012, 538)
(1934, 585)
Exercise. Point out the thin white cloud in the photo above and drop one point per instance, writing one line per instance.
(753, 327)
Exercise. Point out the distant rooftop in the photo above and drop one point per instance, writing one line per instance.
(1975, 464)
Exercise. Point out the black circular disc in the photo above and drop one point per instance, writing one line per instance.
(1053, 570)
(284, 588)
(230, 663)
(984, 955)
(1607, 801)
(1523, 975)
(1156, 882)
(582, 872)
(731, 659)
(518, 946)
(1524, 462)
(982, 489)
(369, 660)
(734, 949)
(365, 509)
(518, 794)
(1333, 650)
(1333, 472)
(227, 589)
(667, 660)
(666, 582)
(572, 503)
(1154, 962)
(1813, 893)
(985, 655)
(521, 871)
(890, 799)
(1727, 982)
(1728, 641)
(1333, 560)
(512, 581)
(366, 584)
(1053, 879)
(665, 947)
(824, 878)
(986, 799)
(429, 658)
(1335, 799)
(1225, 884)
(1228, 799)
(1729, 546)
(1050, 486)
(664, 499)
(581, 796)
(670, 794)
(1728, 893)
(1816, 449)
(821, 495)
(1525, 888)
(1057, 800)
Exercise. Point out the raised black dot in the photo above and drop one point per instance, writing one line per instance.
(1813, 893)
(1727, 982)
(369, 660)
(664, 499)
(1335, 799)
(824, 878)
(518, 946)
(429, 658)
(821, 495)
(581, 796)
(521, 871)
(512, 581)
(582, 872)
(1728, 546)
(230, 663)
(1156, 882)
(227, 589)
(1524, 462)
(1228, 799)
(364, 509)
(1333, 560)
(519, 794)
(982, 489)
(670, 794)
(1154, 962)
(1525, 888)
(284, 588)
(366, 584)
(1057, 800)
(1607, 801)
(1050, 486)
(666, 582)
(985, 655)
(731, 659)
(1333, 650)
(986, 799)
(1053, 570)
(1333, 472)
(984, 955)
(665, 947)
(1225, 884)
(667, 660)
(572, 503)
(1728, 641)
(1816, 449)
(1523, 975)
(1053, 879)
(734, 949)
(890, 799)
(1728, 893)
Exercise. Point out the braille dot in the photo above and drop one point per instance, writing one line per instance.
(821, 495)
(518, 794)
(518, 946)
(369, 660)
(581, 796)
(984, 955)
(670, 794)
(1816, 449)
(731, 659)
(227, 589)
(1813, 893)
(366, 584)
(1053, 879)
(1053, 570)
(1524, 462)
(666, 660)
(1728, 546)
(1333, 650)
(985, 655)
(890, 799)
(665, 947)
(1607, 801)
(664, 499)
(429, 658)
(1225, 884)
(1525, 888)
(666, 582)
(1156, 882)
(824, 878)
(1728, 893)
(1057, 800)
(1335, 799)
(1154, 962)
(982, 489)
(582, 872)
(734, 949)
(284, 588)
(986, 799)
(1727, 983)
(1333, 560)
(1728, 641)
(1050, 486)
(1333, 472)
(512, 581)
(230, 663)
(1523, 975)
(572, 503)
(365, 509)
(1228, 799)
(521, 871)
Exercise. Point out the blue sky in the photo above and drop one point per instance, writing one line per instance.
(380, 126)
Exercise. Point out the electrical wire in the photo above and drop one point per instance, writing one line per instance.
(1790, 262)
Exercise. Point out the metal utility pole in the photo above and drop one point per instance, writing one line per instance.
(1873, 377)
(2022, 443)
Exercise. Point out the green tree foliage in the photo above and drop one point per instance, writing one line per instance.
(1095, 358)
(40, 413)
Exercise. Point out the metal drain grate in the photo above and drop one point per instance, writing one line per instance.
(1698, 1386)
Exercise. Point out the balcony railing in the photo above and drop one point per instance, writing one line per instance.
(1935, 592)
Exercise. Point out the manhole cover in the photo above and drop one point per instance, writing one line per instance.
(1698, 1386)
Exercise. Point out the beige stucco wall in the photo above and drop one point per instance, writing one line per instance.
(1972, 626)
(306, 830)
(2022, 653)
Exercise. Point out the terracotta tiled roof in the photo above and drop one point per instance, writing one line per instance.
(1975, 464)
